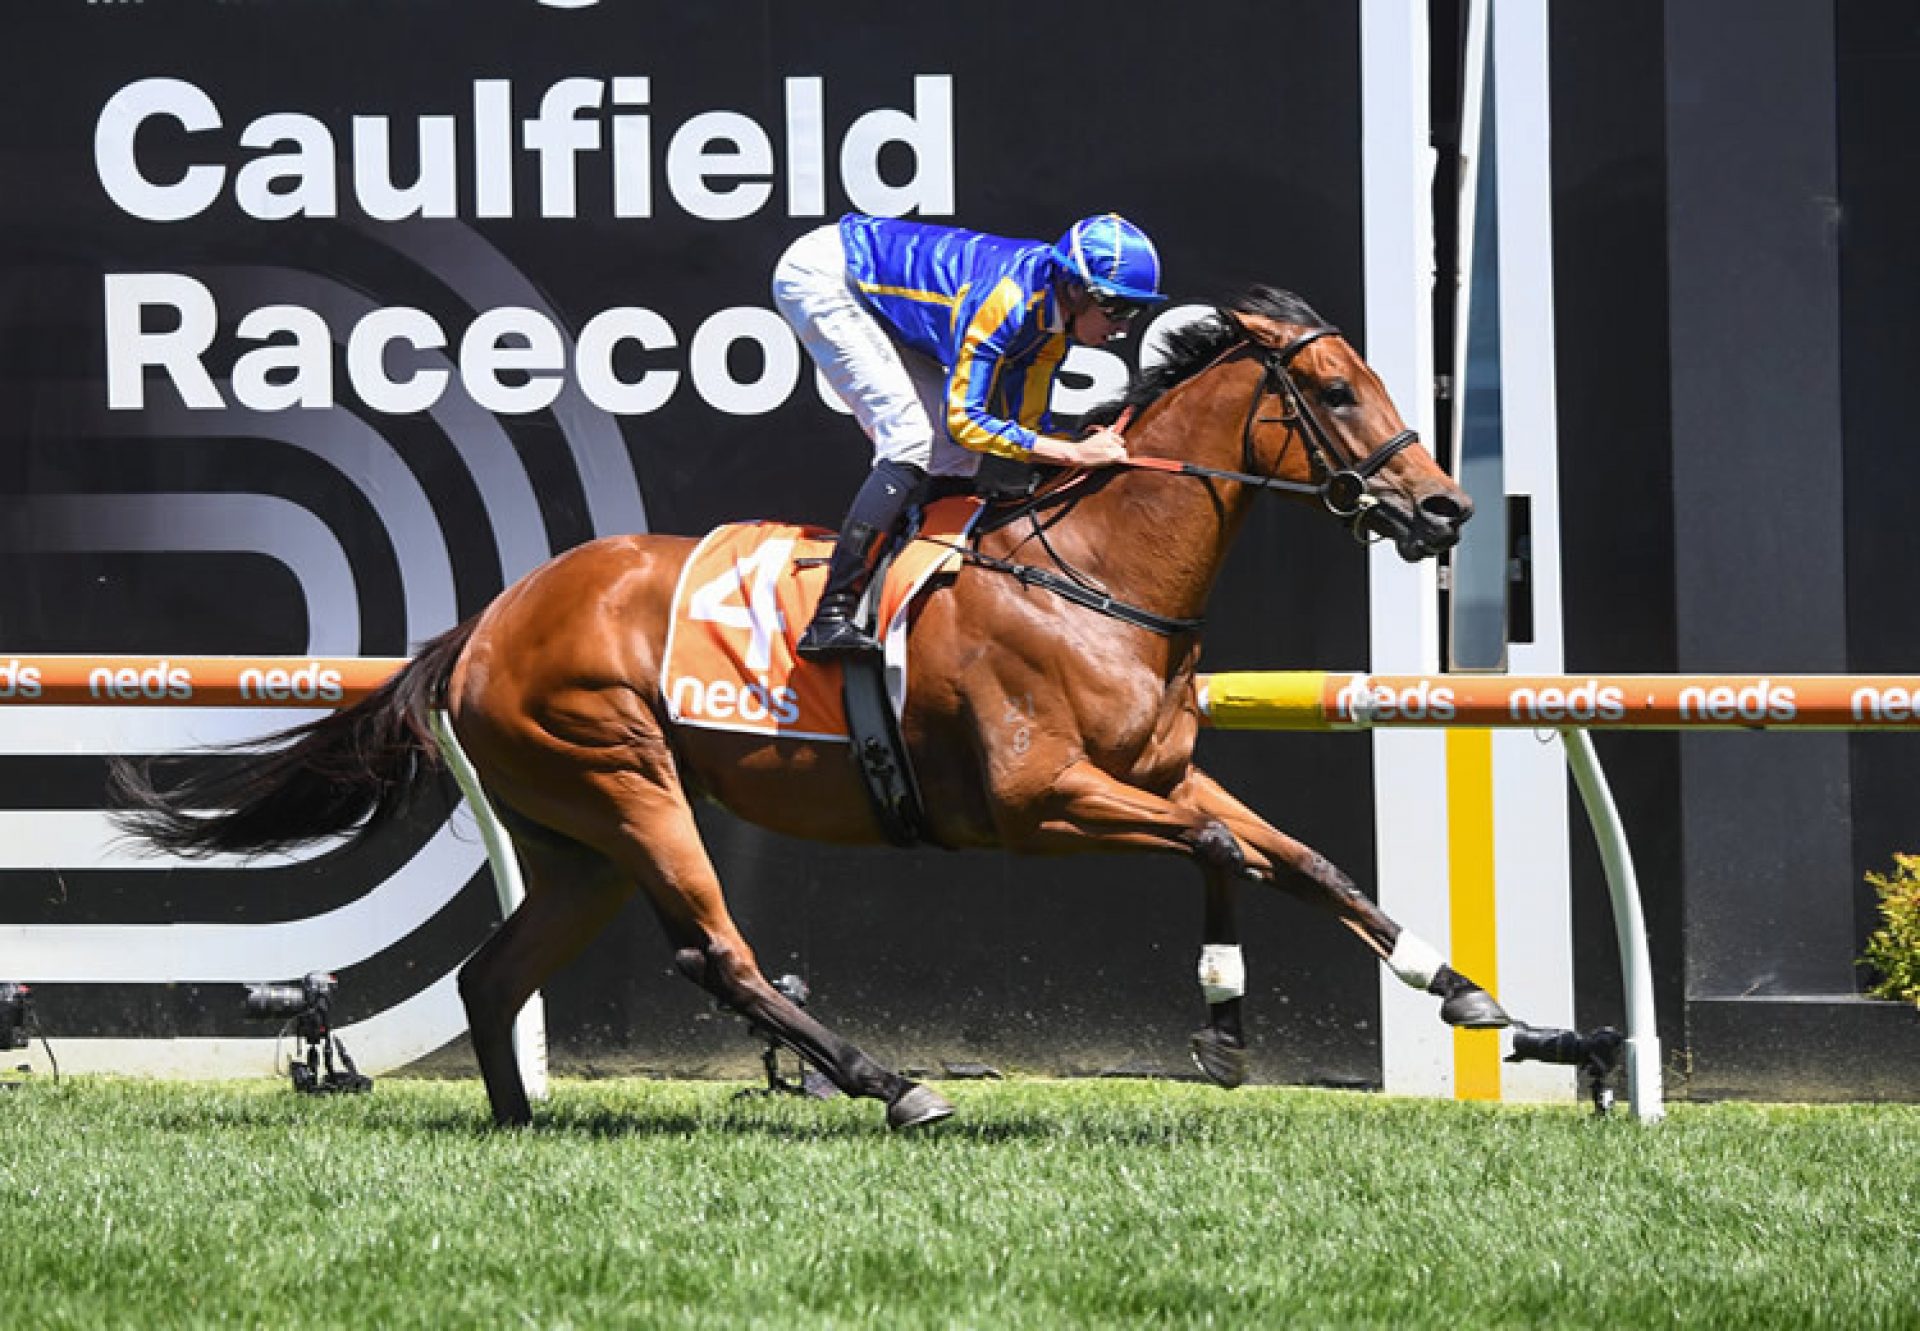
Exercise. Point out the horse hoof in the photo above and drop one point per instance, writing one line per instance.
(1475, 1010)
(1220, 1060)
(916, 1107)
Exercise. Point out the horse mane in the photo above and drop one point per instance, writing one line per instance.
(1195, 346)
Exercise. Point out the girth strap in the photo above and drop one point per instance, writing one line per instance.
(880, 753)
(873, 733)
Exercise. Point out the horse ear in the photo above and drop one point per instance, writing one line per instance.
(1262, 330)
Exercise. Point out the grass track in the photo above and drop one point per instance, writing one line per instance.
(1044, 1204)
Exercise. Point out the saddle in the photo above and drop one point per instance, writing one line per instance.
(742, 601)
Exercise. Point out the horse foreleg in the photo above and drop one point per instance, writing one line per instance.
(1086, 806)
(1314, 878)
(1220, 1047)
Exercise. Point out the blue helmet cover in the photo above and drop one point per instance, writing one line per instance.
(1112, 256)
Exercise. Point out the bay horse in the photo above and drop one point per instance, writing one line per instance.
(554, 691)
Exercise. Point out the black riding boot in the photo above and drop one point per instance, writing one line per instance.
(877, 509)
(833, 632)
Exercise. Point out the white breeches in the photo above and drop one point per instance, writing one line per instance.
(897, 395)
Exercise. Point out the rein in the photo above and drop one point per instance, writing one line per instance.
(1075, 586)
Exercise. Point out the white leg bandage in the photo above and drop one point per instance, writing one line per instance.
(1414, 961)
(1223, 972)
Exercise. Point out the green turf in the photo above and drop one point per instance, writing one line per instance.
(1044, 1204)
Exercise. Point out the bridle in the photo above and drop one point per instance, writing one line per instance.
(1339, 481)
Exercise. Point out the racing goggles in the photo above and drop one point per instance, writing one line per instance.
(1117, 308)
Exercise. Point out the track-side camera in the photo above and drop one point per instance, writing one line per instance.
(809, 1081)
(306, 1006)
(1597, 1053)
(16, 1016)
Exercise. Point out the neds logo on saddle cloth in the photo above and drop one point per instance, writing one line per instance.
(743, 602)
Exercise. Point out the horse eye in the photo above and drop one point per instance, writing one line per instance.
(1338, 393)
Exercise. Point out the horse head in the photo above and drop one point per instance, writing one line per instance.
(1339, 436)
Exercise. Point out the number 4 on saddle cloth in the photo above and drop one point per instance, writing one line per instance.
(742, 603)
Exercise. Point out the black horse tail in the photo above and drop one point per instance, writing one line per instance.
(352, 771)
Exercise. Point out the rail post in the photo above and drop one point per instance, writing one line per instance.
(1644, 1091)
(530, 1024)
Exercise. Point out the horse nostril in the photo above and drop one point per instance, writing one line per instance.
(1445, 511)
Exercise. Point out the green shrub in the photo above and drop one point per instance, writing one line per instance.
(1894, 949)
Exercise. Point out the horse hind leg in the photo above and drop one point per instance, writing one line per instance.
(663, 849)
(723, 969)
(572, 894)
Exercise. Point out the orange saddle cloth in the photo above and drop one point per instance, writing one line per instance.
(744, 600)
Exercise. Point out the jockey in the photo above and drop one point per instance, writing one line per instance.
(944, 344)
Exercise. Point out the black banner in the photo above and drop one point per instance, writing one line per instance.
(323, 320)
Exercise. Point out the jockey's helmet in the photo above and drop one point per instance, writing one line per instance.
(1111, 257)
